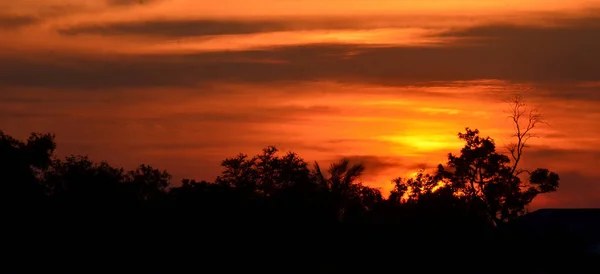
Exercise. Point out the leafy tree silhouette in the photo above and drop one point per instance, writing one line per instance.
(77, 181)
(488, 180)
(265, 174)
(21, 165)
(411, 190)
(148, 183)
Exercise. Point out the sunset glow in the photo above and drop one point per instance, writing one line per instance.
(183, 84)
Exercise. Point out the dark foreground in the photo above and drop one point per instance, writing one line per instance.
(275, 213)
(163, 242)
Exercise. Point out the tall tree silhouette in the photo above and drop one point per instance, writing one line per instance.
(492, 181)
(487, 179)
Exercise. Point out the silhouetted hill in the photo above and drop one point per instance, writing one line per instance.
(565, 238)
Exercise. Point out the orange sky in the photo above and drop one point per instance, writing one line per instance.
(182, 84)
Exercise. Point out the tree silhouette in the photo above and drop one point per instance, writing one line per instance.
(523, 131)
(265, 174)
(344, 188)
(486, 180)
(77, 181)
(21, 165)
(148, 182)
(411, 190)
(490, 180)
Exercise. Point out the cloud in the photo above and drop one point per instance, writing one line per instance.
(256, 115)
(380, 65)
(178, 28)
(130, 2)
(564, 159)
(575, 190)
(193, 107)
(40, 13)
(173, 28)
(16, 21)
(552, 57)
(577, 168)
(64, 9)
(376, 165)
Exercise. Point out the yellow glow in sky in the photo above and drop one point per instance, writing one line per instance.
(423, 142)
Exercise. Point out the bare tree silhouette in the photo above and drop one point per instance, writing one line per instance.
(525, 119)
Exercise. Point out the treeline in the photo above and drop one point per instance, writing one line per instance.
(479, 180)
(277, 210)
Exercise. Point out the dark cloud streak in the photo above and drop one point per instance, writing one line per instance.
(211, 27)
(17, 21)
(130, 2)
(185, 28)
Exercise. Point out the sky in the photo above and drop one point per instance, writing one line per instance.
(184, 84)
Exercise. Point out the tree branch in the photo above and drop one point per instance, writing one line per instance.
(518, 111)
